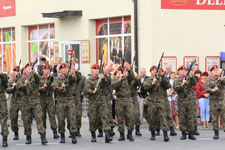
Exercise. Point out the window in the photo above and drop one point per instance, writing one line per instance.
(7, 49)
(41, 43)
(113, 37)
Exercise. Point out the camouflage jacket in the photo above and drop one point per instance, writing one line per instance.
(68, 81)
(76, 83)
(158, 91)
(107, 85)
(48, 91)
(186, 91)
(210, 84)
(32, 87)
(133, 86)
(3, 83)
(16, 92)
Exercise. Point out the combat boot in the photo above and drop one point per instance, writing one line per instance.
(191, 135)
(78, 132)
(63, 140)
(28, 139)
(55, 135)
(107, 136)
(74, 139)
(16, 136)
(157, 132)
(183, 137)
(129, 136)
(138, 133)
(172, 132)
(4, 141)
(196, 131)
(153, 135)
(122, 137)
(93, 137)
(43, 139)
(165, 135)
(100, 133)
(216, 136)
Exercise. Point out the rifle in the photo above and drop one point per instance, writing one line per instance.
(132, 65)
(100, 71)
(190, 69)
(123, 61)
(70, 64)
(159, 65)
(221, 75)
(19, 72)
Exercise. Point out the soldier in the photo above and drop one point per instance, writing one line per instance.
(3, 109)
(30, 83)
(97, 103)
(65, 107)
(124, 102)
(16, 102)
(186, 102)
(47, 103)
(215, 87)
(157, 87)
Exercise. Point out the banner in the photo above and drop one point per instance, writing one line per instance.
(193, 4)
(7, 8)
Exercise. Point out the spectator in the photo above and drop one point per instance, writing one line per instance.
(56, 67)
(168, 70)
(203, 99)
(42, 63)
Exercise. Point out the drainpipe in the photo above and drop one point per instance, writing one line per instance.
(136, 34)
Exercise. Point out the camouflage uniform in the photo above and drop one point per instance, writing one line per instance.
(156, 104)
(186, 105)
(217, 105)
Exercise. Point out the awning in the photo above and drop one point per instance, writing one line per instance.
(65, 13)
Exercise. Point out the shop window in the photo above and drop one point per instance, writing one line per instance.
(7, 49)
(113, 36)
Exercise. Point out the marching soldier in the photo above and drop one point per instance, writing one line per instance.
(46, 96)
(124, 102)
(63, 87)
(30, 82)
(3, 109)
(156, 88)
(186, 102)
(97, 103)
(215, 87)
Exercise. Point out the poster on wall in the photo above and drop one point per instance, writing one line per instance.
(188, 60)
(169, 61)
(85, 51)
(211, 61)
(7, 8)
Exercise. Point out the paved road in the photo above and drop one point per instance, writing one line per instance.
(204, 142)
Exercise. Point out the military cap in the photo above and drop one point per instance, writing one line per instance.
(214, 67)
(16, 68)
(181, 67)
(63, 65)
(153, 67)
(95, 66)
(47, 66)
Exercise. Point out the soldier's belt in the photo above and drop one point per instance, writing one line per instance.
(2, 94)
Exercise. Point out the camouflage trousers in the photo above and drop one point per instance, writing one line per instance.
(168, 114)
(47, 105)
(186, 113)
(16, 106)
(137, 120)
(98, 112)
(3, 115)
(217, 108)
(157, 113)
(32, 103)
(78, 109)
(195, 116)
(124, 112)
(65, 108)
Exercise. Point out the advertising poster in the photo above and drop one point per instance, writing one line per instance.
(169, 61)
(85, 46)
(211, 61)
(188, 60)
(7, 8)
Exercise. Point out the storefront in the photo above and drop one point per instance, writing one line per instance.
(183, 29)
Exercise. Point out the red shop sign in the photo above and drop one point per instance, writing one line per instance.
(7, 8)
(193, 4)
(70, 52)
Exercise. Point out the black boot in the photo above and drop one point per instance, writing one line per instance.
(100, 133)
(4, 141)
(74, 139)
(196, 131)
(157, 132)
(43, 139)
(70, 136)
(63, 140)
(16, 136)
(93, 137)
(183, 137)
(138, 133)
(129, 136)
(111, 132)
(122, 137)
(107, 136)
(28, 139)
(216, 136)
(172, 132)
(191, 135)
(78, 132)
(55, 134)
(165, 135)
(153, 135)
